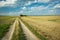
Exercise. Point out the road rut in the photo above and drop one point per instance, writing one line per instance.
(9, 34)
(29, 35)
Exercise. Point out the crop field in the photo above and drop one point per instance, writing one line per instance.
(5, 22)
(44, 27)
(30, 27)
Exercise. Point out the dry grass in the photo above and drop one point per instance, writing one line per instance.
(48, 26)
(6, 19)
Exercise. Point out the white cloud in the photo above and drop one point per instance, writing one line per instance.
(35, 1)
(28, 3)
(38, 8)
(52, 11)
(53, 5)
(7, 3)
(24, 8)
(43, 0)
(34, 9)
(14, 13)
(57, 6)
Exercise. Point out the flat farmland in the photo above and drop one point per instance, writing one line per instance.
(5, 22)
(44, 27)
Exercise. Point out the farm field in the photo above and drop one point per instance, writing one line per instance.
(5, 22)
(30, 28)
(44, 27)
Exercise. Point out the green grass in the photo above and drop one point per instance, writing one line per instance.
(55, 20)
(34, 31)
(5, 22)
(3, 29)
(15, 35)
(20, 35)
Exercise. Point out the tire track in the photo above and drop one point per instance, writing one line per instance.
(9, 34)
(29, 35)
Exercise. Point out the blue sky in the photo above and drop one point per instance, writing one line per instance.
(30, 7)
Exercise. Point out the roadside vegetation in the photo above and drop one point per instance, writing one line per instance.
(5, 22)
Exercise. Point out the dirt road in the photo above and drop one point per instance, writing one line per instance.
(9, 34)
(29, 35)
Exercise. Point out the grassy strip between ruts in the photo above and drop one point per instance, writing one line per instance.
(3, 29)
(18, 33)
(34, 31)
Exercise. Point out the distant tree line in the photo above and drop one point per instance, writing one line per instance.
(22, 15)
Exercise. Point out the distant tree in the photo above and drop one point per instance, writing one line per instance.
(22, 15)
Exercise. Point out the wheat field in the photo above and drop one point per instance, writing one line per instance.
(47, 26)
